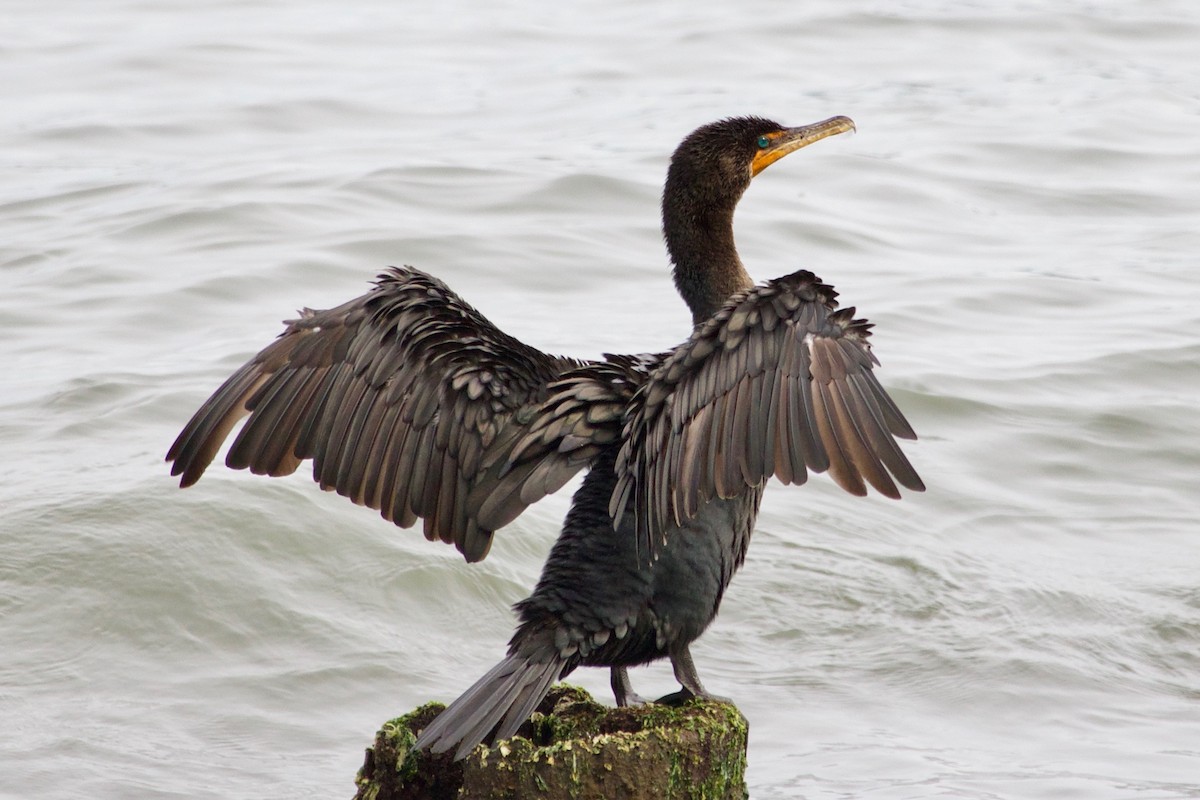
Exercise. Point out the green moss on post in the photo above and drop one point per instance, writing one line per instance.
(393, 770)
(572, 747)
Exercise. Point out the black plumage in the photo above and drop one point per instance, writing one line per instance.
(409, 401)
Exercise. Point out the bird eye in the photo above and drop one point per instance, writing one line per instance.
(763, 142)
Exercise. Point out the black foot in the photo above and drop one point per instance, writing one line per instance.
(676, 699)
(685, 695)
(623, 691)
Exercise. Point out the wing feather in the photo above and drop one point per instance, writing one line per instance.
(778, 382)
(409, 401)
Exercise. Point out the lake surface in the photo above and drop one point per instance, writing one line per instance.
(1019, 214)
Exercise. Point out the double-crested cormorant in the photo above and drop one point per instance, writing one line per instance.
(409, 401)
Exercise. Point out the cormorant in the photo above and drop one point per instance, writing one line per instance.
(409, 401)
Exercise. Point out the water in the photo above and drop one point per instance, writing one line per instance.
(1018, 214)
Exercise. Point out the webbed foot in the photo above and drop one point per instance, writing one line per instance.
(690, 686)
(685, 695)
(622, 689)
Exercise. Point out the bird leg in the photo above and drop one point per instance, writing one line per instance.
(623, 690)
(689, 680)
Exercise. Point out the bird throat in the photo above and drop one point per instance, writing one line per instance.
(707, 267)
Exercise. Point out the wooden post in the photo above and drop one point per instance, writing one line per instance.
(572, 747)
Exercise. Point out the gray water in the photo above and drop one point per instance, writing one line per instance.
(1018, 213)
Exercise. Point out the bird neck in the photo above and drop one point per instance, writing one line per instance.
(707, 267)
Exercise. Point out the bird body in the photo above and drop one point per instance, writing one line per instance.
(598, 603)
(409, 401)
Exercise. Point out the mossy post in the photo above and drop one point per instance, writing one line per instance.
(572, 747)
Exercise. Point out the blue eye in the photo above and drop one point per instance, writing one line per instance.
(763, 142)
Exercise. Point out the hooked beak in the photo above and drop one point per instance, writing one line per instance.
(789, 140)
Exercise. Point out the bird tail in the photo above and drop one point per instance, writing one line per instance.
(501, 700)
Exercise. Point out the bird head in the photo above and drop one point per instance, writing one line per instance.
(717, 161)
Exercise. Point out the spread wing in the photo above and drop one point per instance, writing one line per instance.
(779, 382)
(409, 401)
(583, 415)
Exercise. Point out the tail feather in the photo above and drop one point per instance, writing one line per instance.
(487, 713)
(504, 697)
(525, 703)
